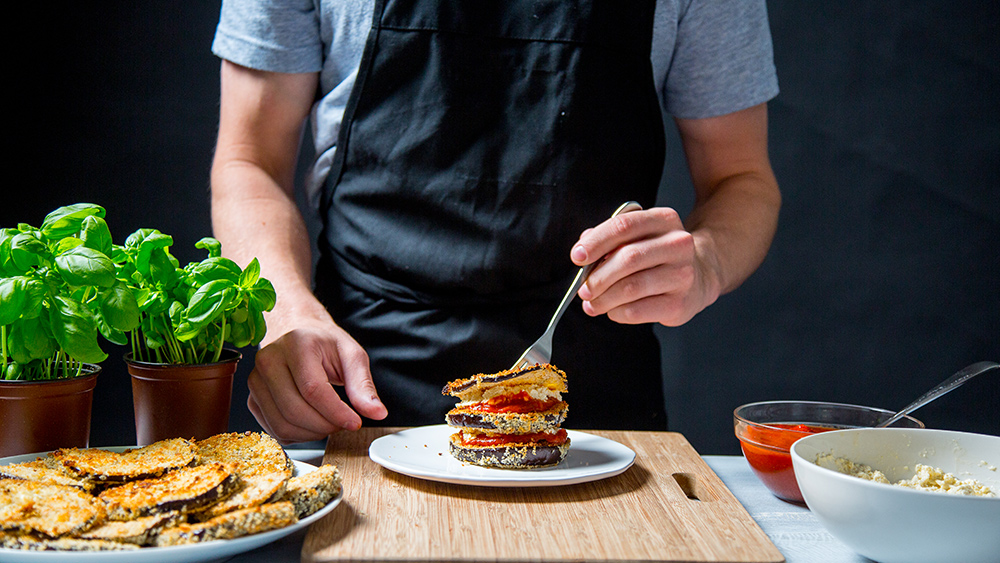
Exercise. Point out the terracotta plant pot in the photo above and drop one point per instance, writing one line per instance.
(38, 416)
(181, 401)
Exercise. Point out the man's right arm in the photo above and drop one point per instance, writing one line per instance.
(254, 214)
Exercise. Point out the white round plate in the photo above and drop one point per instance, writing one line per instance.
(193, 553)
(423, 452)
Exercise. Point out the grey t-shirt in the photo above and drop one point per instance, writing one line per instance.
(709, 57)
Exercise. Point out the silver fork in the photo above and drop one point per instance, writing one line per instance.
(541, 351)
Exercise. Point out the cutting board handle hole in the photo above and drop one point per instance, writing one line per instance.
(692, 487)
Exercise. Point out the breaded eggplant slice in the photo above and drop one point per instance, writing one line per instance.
(509, 422)
(532, 455)
(253, 453)
(45, 470)
(141, 531)
(47, 508)
(253, 490)
(260, 461)
(239, 523)
(539, 377)
(312, 491)
(109, 467)
(188, 489)
(31, 542)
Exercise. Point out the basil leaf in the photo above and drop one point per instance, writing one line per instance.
(119, 308)
(110, 333)
(135, 239)
(96, 235)
(213, 246)
(176, 313)
(86, 266)
(32, 293)
(217, 268)
(29, 339)
(143, 243)
(27, 251)
(152, 302)
(240, 334)
(12, 372)
(65, 245)
(75, 330)
(250, 275)
(239, 314)
(119, 255)
(6, 263)
(13, 296)
(67, 220)
(262, 295)
(161, 268)
(152, 330)
(259, 327)
(207, 304)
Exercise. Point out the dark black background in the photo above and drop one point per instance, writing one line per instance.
(884, 277)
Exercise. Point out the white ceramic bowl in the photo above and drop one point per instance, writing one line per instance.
(890, 523)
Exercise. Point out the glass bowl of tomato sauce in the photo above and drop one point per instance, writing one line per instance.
(767, 430)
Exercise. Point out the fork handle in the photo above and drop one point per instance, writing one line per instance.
(584, 272)
(581, 277)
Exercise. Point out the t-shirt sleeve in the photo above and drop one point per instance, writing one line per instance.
(271, 35)
(723, 59)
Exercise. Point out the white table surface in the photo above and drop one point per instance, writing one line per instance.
(792, 528)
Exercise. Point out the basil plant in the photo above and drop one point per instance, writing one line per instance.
(189, 314)
(59, 293)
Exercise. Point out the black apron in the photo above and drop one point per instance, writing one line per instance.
(481, 138)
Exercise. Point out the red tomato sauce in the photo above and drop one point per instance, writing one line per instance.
(517, 403)
(766, 450)
(504, 439)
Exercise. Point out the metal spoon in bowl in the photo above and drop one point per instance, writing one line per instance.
(947, 385)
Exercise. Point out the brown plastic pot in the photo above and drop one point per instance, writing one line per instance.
(38, 416)
(181, 400)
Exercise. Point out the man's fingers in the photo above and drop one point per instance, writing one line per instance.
(626, 228)
(674, 249)
(358, 383)
(292, 384)
(259, 415)
(669, 310)
(665, 279)
(265, 410)
(313, 387)
(305, 394)
(364, 398)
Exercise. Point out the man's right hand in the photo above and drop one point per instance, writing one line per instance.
(291, 385)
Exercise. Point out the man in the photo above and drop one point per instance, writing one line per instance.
(469, 155)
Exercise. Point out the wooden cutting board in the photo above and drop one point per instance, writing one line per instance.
(669, 506)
